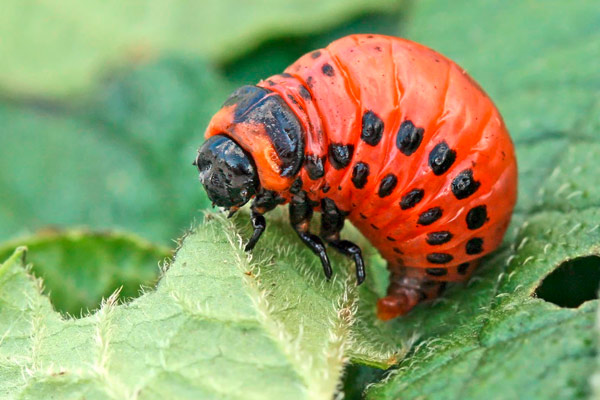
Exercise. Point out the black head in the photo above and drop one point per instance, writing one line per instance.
(227, 172)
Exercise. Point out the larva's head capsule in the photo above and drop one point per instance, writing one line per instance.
(260, 123)
(227, 172)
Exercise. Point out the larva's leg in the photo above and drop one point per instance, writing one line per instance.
(408, 287)
(301, 212)
(265, 201)
(259, 224)
(332, 222)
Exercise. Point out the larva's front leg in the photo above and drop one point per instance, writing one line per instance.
(264, 202)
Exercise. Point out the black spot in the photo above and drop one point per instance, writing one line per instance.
(314, 166)
(340, 155)
(296, 186)
(462, 268)
(409, 138)
(476, 217)
(326, 188)
(292, 99)
(285, 75)
(475, 246)
(410, 199)
(391, 239)
(436, 271)
(339, 188)
(387, 185)
(304, 93)
(375, 227)
(309, 81)
(377, 48)
(397, 250)
(464, 185)
(441, 158)
(572, 283)
(363, 216)
(372, 128)
(270, 82)
(439, 258)
(430, 216)
(437, 238)
(315, 54)
(360, 173)
(327, 69)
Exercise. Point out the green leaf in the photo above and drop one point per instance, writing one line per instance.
(221, 324)
(493, 338)
(79, 268)
(76, 42)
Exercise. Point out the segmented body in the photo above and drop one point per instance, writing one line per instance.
(397, 196)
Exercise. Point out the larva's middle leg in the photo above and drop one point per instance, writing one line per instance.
(332, 222)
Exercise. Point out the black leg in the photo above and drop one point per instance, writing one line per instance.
(301, 212)
(332, 222)
(265, 201)
(259, 224)
(350, 249)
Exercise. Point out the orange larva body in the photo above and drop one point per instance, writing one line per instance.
(441, 175)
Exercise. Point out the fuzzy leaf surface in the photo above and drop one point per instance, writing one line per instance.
(220, 324)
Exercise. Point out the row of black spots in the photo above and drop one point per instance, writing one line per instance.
(409, 138)
(340, 155)
(439, 258)
(429, 216)
(474, 246)
(387, 185)
(360, 174)
(372, 128)
(327, 69)
(464, 185)
(441, 158)
(314, 166)
(462, 269)
(476, 217)
(411, 199)
(438, 238)
(304, 93)
(436, 271)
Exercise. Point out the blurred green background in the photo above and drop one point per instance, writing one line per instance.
(104, 103)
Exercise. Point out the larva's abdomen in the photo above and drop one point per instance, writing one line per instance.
(407, 143)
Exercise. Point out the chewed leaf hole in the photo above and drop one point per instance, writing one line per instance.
(572, 283)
